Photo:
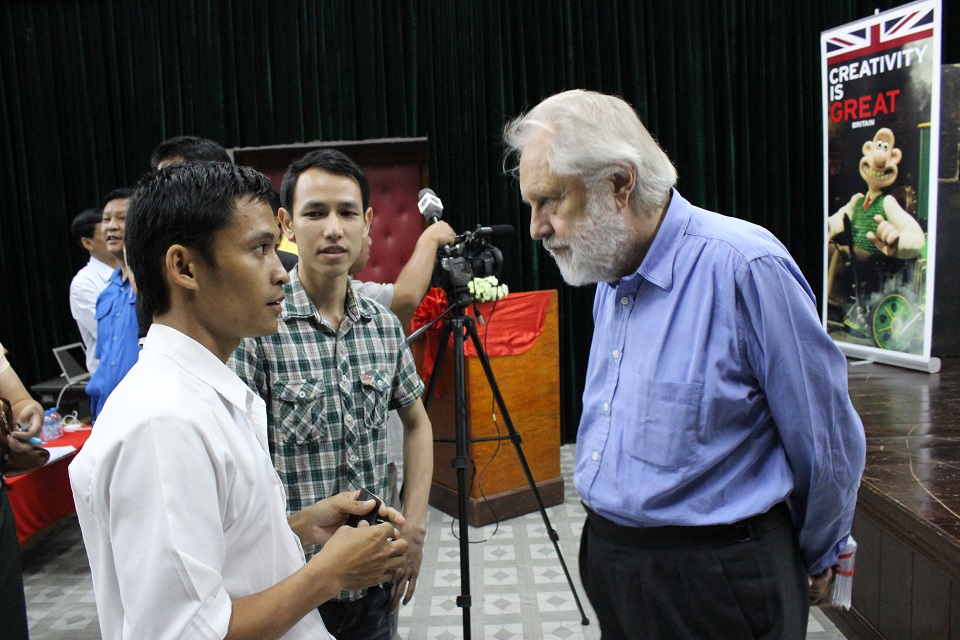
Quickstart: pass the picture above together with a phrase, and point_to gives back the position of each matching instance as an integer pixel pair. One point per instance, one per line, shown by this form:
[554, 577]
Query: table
[43, 496]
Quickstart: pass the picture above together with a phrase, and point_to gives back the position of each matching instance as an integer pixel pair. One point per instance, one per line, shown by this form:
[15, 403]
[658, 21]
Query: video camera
[470, 256]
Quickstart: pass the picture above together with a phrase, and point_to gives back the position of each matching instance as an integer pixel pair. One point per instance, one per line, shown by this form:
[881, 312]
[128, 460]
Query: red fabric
[511, 325]
[43, 496]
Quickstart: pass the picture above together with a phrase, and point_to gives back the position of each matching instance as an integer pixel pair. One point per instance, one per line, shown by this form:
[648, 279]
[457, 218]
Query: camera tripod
[458, 323]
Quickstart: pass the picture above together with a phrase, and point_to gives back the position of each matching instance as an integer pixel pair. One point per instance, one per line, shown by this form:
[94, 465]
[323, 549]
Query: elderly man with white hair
[718, 453]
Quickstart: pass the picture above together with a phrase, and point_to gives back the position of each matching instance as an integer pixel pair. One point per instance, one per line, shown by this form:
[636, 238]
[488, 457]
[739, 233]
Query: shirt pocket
[376, 398]
[666, 432]
[300, 410]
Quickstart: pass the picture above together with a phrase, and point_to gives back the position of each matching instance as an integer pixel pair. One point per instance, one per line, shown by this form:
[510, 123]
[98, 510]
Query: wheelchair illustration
[887, 297]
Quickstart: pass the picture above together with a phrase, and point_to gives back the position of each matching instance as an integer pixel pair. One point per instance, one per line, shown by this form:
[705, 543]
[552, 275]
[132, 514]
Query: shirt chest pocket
[665, 433]
[376, 398]
[300, 410]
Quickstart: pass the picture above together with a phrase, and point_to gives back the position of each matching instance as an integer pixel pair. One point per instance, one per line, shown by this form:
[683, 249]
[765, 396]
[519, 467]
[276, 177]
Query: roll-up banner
[881, 104]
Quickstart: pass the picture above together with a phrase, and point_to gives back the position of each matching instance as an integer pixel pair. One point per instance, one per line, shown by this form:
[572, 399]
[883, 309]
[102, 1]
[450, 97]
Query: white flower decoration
[487, 289]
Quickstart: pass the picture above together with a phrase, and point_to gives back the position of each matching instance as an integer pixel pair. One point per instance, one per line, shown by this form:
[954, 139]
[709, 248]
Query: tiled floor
[518, 586]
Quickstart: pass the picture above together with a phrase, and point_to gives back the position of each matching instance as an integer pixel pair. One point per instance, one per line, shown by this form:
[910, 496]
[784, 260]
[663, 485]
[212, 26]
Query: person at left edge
[28, 413]
[117, 346]
[181, 511]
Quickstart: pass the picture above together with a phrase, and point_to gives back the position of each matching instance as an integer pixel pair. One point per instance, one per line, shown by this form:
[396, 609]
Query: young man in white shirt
[182, 514]
[91, 279]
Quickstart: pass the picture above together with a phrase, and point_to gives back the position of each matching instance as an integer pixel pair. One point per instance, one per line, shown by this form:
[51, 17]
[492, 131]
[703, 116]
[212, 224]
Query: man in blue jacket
[117, 345]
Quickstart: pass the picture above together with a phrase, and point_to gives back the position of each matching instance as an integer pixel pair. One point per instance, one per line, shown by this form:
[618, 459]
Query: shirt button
[606, 407]
[624, 300]
[616, 354]
[303, 394]
[595, 456]
[353, 457]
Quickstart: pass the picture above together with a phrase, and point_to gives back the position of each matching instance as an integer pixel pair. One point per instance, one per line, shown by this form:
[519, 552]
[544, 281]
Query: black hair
[329, 160]
[185, 203]
[274, 201]
[84, 225]
[122, 193]
[188, 148]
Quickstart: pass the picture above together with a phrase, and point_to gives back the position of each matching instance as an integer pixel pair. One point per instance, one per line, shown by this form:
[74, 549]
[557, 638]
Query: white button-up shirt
[179, 504]
[84, 289]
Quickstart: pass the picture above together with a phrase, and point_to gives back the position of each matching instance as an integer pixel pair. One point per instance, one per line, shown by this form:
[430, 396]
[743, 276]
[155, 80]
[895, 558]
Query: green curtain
[731, 89]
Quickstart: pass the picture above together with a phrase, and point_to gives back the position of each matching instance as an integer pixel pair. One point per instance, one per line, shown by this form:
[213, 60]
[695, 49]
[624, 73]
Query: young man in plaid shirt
[331, 372]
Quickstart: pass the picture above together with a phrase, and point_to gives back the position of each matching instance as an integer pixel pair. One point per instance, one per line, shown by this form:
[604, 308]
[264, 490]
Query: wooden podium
[529, 382]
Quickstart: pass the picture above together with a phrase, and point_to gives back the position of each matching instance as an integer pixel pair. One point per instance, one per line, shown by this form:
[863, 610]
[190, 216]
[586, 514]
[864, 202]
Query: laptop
[72, 359]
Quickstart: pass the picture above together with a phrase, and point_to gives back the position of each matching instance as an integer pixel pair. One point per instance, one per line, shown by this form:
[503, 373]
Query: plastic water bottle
[52, 426]
[48, 430]
[843, 584]
[58, 421]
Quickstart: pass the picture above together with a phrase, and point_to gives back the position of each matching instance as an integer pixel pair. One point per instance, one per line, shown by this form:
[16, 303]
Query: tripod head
[458, 299]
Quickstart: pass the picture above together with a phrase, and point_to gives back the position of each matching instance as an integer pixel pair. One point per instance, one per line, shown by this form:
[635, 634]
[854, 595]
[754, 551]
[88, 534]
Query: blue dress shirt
[713, 392]
[117, 344]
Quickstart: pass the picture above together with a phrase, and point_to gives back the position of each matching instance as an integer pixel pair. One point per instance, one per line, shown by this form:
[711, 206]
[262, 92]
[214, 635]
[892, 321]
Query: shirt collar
[117, 277]
[657, 265]
[200, 362]
[298, 304]
[357, 305]
[102, 269]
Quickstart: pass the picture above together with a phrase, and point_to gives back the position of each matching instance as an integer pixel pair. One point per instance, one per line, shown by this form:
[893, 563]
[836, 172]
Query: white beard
[598, 244]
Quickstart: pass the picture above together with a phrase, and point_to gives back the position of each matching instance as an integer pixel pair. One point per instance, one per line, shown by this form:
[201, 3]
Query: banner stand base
[860, 356]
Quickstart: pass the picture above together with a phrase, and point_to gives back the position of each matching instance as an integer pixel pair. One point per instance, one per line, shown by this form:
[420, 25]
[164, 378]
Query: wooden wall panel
[930, 601]
[896, 578]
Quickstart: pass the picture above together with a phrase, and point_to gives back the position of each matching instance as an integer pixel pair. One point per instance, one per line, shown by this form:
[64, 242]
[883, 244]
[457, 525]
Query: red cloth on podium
[511, 325]
[43, 496]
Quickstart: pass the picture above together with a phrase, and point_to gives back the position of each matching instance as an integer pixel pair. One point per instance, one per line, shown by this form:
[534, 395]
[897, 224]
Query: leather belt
[752, 528]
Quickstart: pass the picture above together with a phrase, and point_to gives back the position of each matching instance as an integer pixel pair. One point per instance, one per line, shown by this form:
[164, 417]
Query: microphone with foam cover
[430, 205]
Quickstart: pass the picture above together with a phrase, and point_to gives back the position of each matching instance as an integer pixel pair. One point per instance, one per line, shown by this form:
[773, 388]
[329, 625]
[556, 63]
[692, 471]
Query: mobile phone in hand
[372, 518]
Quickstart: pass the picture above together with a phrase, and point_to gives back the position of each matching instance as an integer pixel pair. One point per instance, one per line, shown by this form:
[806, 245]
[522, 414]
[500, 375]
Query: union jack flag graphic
[889, 30]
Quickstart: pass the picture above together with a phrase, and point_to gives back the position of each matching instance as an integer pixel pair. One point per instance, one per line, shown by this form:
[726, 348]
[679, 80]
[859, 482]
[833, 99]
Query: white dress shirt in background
[84, 289]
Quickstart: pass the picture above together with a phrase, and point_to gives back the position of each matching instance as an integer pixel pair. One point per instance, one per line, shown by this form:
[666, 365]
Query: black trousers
[13, 606]
[365, 619]
[734, 581]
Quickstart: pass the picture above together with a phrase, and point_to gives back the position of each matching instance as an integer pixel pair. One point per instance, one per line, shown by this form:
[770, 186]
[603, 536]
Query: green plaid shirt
[328, 392]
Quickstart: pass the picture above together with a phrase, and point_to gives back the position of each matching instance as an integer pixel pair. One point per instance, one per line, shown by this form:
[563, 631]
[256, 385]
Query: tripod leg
[515, 439]
[437, 365]
[461, 457]
[460, 464]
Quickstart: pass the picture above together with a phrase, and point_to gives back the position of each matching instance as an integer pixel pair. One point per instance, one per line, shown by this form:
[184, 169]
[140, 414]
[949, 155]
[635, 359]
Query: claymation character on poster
[881, 78]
